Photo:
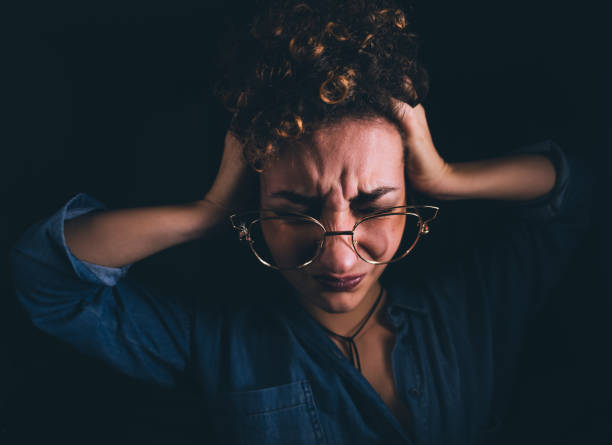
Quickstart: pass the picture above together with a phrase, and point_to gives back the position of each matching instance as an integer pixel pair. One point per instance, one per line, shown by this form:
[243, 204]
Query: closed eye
[364, 203]
[367, 203]
[367, 199]
[369, 210]
[296, 198]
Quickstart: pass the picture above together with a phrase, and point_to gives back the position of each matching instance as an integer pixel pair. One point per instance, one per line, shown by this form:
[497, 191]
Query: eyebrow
[361, 198]
[295, 198]
[371, 196]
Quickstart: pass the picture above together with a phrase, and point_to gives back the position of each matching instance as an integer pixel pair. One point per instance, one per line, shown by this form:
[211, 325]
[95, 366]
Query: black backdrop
[111, 98]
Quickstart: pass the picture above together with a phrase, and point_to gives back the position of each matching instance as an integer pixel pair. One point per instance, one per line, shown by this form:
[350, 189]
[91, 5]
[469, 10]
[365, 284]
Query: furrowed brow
[366, 197]
[295, 198]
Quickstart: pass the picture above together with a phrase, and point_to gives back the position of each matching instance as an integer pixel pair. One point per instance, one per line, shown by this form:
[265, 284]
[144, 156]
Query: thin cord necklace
[350, 340]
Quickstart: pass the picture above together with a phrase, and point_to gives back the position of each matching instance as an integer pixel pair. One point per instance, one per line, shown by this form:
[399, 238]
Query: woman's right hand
[235, 182]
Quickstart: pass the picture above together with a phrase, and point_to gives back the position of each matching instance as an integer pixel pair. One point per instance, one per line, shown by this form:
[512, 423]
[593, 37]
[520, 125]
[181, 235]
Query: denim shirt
[272, 375]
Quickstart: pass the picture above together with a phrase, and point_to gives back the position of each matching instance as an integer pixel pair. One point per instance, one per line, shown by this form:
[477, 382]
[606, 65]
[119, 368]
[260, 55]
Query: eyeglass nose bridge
[327, 233]
[342, 232]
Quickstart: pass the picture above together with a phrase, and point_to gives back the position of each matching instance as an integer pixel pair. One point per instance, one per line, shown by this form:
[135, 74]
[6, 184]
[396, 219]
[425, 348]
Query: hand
[426, 171]
[234, 183]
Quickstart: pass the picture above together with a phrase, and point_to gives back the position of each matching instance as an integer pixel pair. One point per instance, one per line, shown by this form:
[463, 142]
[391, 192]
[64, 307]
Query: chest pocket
[283, 414]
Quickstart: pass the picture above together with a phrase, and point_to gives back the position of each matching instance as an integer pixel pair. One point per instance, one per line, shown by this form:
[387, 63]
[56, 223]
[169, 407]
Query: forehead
[353, 154]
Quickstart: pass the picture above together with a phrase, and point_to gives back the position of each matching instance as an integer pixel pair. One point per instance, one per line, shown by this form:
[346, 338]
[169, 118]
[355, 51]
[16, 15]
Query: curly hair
[307, 64]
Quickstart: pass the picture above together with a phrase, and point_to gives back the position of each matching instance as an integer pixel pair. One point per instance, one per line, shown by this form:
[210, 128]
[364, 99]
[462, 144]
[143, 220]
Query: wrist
[521, 177]
[438, 185]
[206, 214]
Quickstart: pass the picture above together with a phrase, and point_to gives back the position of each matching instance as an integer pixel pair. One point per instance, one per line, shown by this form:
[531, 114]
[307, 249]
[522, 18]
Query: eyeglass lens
[288, 242]
[386, 238]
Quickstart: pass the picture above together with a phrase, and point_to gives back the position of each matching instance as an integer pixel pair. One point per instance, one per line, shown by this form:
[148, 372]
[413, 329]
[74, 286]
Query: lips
[339, 283]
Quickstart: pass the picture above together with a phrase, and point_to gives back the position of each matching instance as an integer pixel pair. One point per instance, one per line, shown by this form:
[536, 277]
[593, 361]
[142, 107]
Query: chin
[333, 302]
[338, 302]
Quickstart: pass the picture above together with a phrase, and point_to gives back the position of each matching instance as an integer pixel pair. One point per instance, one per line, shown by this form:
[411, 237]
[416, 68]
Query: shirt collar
[399, 295]
[409, 298]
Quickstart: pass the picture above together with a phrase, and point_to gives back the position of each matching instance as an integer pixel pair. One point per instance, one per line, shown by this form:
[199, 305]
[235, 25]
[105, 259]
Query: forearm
[115, 238]
[519, 177]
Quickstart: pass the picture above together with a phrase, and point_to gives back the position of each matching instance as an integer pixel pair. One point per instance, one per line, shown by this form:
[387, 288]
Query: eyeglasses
[291, 240]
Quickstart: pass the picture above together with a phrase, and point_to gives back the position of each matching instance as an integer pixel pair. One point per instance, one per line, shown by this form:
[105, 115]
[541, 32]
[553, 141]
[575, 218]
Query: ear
[410, 195]
[255, 193]
[410, 191]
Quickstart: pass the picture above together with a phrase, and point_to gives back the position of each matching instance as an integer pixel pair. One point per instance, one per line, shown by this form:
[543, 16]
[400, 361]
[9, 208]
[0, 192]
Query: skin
[341, 162]
[355, 156]
[351, 157]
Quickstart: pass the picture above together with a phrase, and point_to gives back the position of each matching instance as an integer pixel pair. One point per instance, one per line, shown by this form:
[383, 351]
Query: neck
[347, 323]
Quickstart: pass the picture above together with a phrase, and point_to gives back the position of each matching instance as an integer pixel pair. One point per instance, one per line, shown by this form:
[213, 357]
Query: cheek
[287, 243]
[299, 279]
[381, 239]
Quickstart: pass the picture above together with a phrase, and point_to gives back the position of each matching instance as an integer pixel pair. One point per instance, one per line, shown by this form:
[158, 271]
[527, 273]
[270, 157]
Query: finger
[403, 111]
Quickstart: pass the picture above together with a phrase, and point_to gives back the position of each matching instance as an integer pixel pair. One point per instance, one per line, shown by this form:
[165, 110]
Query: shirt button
[414, 392]
[394, 314]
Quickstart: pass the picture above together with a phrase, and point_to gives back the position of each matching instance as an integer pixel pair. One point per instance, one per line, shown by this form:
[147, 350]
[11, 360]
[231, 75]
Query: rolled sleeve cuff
[550, 205]
[93, 273]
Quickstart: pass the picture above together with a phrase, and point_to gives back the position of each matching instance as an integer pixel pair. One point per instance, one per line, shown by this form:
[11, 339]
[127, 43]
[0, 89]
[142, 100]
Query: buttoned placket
[310, 332]
[406, 371]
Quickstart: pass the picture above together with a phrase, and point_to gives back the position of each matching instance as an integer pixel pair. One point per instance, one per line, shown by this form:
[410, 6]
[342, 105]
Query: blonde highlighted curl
[305, 64]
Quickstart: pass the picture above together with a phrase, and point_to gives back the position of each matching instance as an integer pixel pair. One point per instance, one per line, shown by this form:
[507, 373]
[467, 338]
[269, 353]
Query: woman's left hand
[426, 171]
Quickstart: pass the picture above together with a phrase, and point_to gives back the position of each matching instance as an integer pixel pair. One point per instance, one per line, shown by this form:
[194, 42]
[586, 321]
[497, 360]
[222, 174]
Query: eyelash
[315, 213]
[368, 210]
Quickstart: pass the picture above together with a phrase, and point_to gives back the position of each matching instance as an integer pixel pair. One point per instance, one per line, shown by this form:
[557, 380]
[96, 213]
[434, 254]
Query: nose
[338, 256]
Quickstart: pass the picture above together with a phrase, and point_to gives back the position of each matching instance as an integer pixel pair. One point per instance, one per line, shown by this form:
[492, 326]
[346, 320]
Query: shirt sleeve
[550, 206]
[526, 252]
[486, 295]
[98, 309]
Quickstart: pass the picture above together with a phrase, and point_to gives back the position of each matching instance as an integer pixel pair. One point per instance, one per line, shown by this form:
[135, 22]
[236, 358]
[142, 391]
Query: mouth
[339, 283]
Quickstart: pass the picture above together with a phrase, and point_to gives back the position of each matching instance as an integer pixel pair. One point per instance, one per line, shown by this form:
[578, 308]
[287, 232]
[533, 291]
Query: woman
[328, 128]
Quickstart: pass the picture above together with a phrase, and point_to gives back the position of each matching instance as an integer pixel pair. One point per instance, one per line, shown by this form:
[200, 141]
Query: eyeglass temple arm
[425, 223]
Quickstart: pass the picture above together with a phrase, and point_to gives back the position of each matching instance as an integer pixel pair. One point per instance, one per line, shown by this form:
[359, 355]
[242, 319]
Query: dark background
[111, 98]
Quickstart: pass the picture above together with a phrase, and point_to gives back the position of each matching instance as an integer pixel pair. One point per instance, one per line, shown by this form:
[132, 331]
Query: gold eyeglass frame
[244, 230]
